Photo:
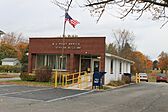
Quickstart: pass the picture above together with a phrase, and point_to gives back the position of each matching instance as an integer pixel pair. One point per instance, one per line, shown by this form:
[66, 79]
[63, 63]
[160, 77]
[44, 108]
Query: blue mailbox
[98, 78]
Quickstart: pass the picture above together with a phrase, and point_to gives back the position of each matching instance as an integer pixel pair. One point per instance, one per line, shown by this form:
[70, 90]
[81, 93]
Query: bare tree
[13, 38]
[157, 8]
[123, 38]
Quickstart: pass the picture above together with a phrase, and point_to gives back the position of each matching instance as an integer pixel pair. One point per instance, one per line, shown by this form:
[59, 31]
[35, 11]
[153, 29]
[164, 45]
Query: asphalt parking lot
[39, 93]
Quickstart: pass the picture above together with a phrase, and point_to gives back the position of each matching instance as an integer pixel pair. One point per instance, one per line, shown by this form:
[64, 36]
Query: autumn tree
[142, 62]
[163, 61]
[7, 50]
[17, 41]
[149, 64]
[13, 38]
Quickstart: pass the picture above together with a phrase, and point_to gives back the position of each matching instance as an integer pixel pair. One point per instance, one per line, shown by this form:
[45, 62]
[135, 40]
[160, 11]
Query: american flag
[71, 21]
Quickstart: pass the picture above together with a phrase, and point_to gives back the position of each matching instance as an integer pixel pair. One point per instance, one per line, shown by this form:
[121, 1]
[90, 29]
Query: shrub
[116, 83]
[27, 77]
[43, 74]
[126, 79]
[24, 67]
[8, 68]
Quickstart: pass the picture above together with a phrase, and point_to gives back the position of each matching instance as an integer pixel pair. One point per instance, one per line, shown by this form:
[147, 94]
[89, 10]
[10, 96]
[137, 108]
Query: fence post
[55, 76]
[139, 78]
[136, 78]
[63, 80]
[79, 80]
[66, 77]
[73, 76]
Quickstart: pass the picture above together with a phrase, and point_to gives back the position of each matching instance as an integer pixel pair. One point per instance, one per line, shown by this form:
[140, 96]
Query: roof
[67, 37]
[118, 57]
[9, 59]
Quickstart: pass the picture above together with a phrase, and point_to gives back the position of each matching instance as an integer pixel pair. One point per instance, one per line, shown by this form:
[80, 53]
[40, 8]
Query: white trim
[118, 57]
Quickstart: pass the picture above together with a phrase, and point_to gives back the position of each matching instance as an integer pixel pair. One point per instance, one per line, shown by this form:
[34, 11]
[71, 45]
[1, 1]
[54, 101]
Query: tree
[157, 8]
[149, 64]
[17, 41]
[126, 52]
[124, 42]
[13, 38]
[123, 38]
[7, 51]
[21, 49]
[155, 65]
[142, 62]
[163, 61]
[24, 59]
[111, 48]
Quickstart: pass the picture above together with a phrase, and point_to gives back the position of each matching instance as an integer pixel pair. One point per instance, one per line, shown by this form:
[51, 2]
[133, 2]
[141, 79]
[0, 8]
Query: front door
[96, 66]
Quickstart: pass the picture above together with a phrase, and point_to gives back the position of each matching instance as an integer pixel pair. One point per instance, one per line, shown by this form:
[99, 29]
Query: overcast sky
[42, 18]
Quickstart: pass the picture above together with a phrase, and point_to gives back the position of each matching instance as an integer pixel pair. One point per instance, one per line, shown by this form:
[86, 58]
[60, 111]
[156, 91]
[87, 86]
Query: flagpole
[66, 11]
[63, 41]
[63, 37]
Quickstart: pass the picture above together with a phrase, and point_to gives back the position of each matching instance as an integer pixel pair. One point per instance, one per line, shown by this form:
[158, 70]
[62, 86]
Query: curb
[113, 88]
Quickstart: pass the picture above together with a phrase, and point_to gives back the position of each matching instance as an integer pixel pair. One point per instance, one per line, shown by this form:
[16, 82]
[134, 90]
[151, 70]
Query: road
[144, 97]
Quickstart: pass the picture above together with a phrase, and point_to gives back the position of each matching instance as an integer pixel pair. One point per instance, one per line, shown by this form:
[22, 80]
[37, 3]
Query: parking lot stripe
[25, 91]
[23, 98]
[71, 96]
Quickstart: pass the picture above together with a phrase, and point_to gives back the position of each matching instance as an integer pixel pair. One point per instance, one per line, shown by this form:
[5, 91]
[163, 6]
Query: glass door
[96, 66]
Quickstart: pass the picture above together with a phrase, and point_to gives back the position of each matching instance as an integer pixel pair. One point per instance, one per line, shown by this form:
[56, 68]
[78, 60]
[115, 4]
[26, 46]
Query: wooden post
[56, 75]
[136, 78]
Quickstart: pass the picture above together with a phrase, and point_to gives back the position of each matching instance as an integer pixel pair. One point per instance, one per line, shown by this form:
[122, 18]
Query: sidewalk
[6, 79]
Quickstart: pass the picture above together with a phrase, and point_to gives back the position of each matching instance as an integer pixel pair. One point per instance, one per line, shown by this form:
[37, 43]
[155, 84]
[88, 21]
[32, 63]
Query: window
[52, 60]
[111, 67]
[62, 62]
[120, 67]
[40, 61]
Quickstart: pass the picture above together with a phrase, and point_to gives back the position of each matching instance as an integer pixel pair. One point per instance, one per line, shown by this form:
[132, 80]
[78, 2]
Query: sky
[42, 18]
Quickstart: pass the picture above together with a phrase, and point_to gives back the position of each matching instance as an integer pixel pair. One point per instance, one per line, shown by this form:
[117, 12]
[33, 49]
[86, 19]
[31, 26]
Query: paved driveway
[144, 97]
[39, 93]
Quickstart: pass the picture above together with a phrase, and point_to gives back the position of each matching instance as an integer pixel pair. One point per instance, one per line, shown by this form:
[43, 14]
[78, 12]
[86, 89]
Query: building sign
[67, 45]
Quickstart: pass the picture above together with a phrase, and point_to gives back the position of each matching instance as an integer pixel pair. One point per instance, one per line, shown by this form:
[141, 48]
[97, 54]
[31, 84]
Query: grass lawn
[6, 76]
[9, 75]
[28, 83]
